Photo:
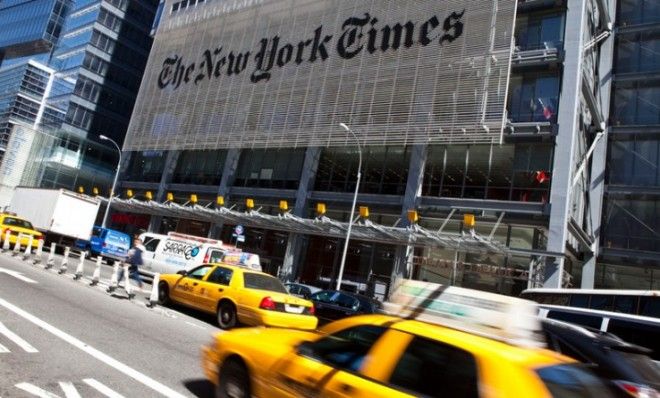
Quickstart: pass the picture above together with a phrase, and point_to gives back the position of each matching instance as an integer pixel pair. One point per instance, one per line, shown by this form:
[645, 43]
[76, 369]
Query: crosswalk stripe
[34, 390]
[3, 349]
[102, 388]
[16, 339]
[69, 389]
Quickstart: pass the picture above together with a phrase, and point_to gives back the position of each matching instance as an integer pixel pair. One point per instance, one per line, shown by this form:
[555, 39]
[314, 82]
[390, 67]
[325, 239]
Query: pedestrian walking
[134, 260]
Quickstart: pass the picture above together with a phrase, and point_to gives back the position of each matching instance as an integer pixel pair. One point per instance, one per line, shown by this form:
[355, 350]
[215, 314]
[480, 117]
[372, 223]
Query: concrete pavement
[66, 338]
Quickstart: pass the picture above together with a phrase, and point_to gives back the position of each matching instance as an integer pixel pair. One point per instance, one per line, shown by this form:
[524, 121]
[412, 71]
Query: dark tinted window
[433, 369]
[151, 244]
[15, 222]
[324, 296]
[626, 304]
[263, 282]
[346, 301]
[570, 381]
[602, 302]
[580, 300]
[637, 333]
[579, 319]
[346, 349]
[221, 276]
[215, 256]
[649, 306]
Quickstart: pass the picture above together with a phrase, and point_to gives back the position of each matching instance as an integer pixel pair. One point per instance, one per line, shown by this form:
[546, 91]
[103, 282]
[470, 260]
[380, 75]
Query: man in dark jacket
[134, 260]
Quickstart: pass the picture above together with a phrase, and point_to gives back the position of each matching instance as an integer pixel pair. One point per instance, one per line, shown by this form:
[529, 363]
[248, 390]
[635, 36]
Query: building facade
[98, 50]
[630, 215]
[453, 110]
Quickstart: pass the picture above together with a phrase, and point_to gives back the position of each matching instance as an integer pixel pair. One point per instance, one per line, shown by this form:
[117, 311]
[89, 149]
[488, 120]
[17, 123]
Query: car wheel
[163, 293]
[226, 315]
[234, 381]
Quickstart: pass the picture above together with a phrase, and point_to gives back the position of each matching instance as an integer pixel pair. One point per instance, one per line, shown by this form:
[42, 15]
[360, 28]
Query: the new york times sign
[358, 34]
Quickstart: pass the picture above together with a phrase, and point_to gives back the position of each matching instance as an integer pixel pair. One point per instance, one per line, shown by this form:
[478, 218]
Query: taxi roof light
[509, 319]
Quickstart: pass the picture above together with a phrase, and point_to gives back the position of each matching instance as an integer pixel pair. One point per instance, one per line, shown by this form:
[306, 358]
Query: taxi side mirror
[182, 272]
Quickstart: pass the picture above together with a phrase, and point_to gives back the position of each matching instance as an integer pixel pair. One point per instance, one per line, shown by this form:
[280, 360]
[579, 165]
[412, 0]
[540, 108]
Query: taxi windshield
[263, 282]
[17, 222]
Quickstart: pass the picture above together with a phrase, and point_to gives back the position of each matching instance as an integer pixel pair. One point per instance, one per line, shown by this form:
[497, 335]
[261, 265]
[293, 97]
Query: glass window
[150, 245]
[15, 222]
[199, 272]
[433, 369]
[146, 166]
[640, 333]
[601, 302]
[324, 296]
[346, 349]
[568, 381]
[539, 30]
[580, 300]
[534, 97]
[345, 301]
[649, 306]
[270, 168]
[592, 321]
[221, 275]
[625, 304]
[263, 282]
[633, 12]
[200, 167]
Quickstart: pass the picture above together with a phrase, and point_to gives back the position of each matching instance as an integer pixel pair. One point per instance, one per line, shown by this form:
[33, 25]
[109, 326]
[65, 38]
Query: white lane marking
[34, 390]
[3, 349]
[16, 339]
[197, 326]
[69, 389]
[17, 275]
[102, 388]
[125, 369]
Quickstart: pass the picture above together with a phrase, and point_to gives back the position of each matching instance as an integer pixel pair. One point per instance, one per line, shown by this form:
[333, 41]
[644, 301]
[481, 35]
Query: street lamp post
[350, 218]
[114, 182]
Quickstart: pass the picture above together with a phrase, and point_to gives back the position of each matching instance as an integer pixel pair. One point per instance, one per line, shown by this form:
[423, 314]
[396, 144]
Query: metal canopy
[321, 226]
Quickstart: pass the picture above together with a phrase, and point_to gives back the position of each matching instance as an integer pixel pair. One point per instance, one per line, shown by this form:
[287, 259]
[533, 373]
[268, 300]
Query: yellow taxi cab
[18, 226]
[237, 294]
[390, 356]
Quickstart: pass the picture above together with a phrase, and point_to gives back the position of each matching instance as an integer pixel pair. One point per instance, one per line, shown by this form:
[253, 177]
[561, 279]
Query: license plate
[296, 309]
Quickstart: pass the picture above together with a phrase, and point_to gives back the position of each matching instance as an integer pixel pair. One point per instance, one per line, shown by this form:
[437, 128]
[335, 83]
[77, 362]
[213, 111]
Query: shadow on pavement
[200, 388]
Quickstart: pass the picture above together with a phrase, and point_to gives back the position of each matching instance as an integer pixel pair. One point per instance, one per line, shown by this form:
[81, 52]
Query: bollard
[153, 298]
[6, 244]
[38, 254]
[113, 279]
[51, 256]
[80, 268]
[127, 283]
[28, 249]
[17, 246]
[97, 271]
[65, 261]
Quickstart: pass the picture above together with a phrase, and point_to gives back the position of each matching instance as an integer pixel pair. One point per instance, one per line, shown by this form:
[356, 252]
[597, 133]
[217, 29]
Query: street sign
[240, 238]
[238, 230]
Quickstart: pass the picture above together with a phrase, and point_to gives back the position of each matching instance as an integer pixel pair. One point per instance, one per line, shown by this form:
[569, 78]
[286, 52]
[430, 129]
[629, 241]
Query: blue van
[106, 242]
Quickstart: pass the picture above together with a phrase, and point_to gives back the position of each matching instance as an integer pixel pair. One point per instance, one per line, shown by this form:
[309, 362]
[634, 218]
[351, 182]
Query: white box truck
[62, 215]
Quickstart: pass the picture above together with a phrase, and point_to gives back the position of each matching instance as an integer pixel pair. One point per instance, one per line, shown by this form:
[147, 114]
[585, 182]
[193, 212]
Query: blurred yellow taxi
[18, 226]
[390, 356]
[237, 294]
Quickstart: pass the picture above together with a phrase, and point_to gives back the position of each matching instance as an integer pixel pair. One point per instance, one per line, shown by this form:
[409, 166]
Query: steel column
[564, 154]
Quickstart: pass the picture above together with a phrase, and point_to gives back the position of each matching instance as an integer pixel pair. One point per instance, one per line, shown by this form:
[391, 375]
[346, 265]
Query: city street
[64, 338]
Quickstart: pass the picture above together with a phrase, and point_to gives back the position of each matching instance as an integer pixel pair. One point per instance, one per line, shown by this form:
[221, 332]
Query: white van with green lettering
[171, 253]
